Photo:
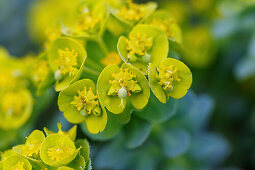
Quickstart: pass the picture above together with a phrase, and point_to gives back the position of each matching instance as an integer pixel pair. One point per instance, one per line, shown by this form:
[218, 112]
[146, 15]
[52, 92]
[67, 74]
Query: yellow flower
[87, 21]
[67, 60]
[60, 152]
[51, 36]
[111, 58]
[166, 75]
[124, 82]
[12, 103]
[85, 99]
[133, 12]
[41, 70]
[138, 44]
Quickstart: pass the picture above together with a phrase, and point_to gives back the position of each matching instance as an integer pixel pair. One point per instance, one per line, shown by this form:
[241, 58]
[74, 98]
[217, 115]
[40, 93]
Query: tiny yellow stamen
[111, 58]
[167, 75]
[85, 99]
[18, 166]
[12, 103]
[138, 44]
[41, 70]
[60, 152]
[67, 60]
[132, 12]
[124, 79]
[31, 149]
[87, 21]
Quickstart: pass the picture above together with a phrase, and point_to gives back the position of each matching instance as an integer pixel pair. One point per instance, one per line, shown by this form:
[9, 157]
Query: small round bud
[146, 58]
[83, 112]
[122, 93]
[57, 75]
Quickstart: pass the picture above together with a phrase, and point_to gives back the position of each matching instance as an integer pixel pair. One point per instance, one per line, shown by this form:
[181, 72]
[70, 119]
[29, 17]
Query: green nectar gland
[87, 102]
[166, 76]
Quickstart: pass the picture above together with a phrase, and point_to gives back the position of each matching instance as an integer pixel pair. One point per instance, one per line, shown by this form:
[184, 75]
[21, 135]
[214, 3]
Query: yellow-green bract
[113, 101]
[172, 78]
[16, 162]
[66, 58]
[58, 150]
[145, 44]
[95, 118]
[162, 20]
[32, 146]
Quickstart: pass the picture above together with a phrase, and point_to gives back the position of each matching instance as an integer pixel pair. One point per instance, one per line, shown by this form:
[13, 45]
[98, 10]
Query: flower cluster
[58, 151]
[105, 57]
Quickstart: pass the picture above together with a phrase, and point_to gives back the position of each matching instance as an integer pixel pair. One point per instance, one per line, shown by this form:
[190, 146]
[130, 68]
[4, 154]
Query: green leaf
[158, 112]
[136, 132]
[174, 142]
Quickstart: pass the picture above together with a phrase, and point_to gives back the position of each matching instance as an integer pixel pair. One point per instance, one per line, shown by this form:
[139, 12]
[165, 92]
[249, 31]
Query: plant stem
[91, 71]
[102, 45]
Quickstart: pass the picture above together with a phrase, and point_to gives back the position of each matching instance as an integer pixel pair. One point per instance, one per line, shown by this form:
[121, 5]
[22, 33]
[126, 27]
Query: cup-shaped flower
[132, 13]
[80, 103]
[117, 85]
[32, 146]
[172, 78]
[88, 21]
[16, 162]
[15, 108]
[42, 76]
[58, 150]
[66, 58]
[162, 20]
[145, 44]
